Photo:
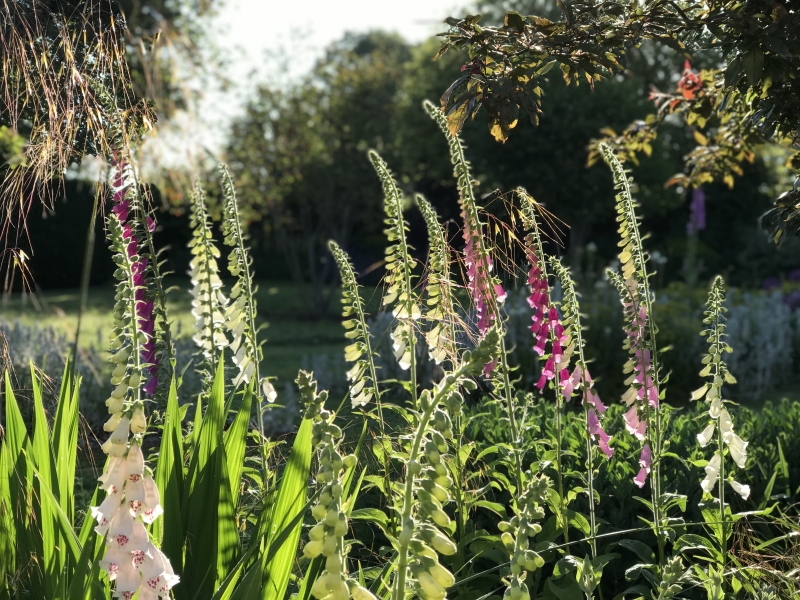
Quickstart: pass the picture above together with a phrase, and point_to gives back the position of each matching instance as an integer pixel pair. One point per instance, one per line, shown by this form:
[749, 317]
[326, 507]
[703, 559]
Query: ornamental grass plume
[132, 561]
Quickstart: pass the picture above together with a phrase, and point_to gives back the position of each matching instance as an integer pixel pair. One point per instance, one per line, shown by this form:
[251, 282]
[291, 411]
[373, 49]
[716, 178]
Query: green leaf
[641, 550]
[64, 441]
[690, 541]
[753, 63]
[566, 589]
[371, 515]
[169, 480]
[211, 536]
[44, 465]
[291, 501]
[236, 441]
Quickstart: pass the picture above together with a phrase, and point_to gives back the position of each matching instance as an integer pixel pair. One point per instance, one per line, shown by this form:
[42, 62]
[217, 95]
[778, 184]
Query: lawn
[291, 336]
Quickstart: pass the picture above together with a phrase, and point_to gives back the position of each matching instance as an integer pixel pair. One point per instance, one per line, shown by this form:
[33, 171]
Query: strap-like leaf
[291, 502]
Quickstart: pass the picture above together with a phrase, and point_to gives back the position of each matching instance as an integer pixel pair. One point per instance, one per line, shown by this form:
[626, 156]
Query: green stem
[559, 477]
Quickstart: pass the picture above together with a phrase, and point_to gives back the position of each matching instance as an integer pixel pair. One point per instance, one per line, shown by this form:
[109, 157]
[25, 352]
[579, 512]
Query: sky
[259, 32]
[256, 37]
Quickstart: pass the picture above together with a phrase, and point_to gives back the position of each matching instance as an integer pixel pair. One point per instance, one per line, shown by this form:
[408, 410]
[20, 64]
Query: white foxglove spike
[712, 474]
[741, 489]
[705, 436]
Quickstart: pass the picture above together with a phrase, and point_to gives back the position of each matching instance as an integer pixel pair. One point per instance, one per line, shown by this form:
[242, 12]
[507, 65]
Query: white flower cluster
[132, 501]
[241, 312]
[438, 287]
[361, 376]
[326, 538]
[208, 301]
[399, 265]
[516, 532]
[717, 370]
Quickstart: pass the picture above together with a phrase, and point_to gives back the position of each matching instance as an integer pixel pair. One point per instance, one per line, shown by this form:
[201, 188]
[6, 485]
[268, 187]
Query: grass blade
[236, 441]
[211, 536]
[289, 506]
[169, 480]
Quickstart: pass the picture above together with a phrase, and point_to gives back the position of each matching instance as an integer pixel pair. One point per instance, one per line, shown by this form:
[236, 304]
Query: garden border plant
[226, 507]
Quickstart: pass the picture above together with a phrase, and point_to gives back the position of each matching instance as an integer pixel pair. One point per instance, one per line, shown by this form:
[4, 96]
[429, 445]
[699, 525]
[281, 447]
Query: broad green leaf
[641, 549]
[291, 501]
[371, 515]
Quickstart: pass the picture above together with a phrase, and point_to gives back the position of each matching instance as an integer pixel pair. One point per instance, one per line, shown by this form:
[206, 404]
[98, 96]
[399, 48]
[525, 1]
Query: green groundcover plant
[466, 483]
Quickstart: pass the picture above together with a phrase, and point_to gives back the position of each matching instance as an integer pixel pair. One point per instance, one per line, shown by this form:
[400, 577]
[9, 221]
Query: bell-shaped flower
[113, 478]
[116, 560]
[120, 530]
[726, 425]
[712, 473]
[742, 489]
[152, 501]
[128, 580]
[117, 442]
[645, 461]
[157, 573]
[635, 426]
[104, 513]
[596, 430]
[738, 450]
[705, 436]
[138, 420]
[134, 462]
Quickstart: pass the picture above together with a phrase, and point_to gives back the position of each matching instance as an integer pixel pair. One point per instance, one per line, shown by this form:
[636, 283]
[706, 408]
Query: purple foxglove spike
[640, 478]
[150, 387]
[132, 248]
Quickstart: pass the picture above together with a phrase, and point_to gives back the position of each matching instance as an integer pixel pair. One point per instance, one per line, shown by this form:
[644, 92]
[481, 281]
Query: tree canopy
[748, 98]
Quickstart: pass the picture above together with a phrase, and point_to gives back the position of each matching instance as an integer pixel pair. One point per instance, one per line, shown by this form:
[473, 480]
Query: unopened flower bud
[443, 545]
[138, 420]
[331, 517]
[317, 532]
[508, 540]
[350, 461]
[333, 564]
[440, 517]
[361, 593]
[336, 490]
[414, 468]
[112, 422]
[442, 576]
[319, 511]
[312, 549]
[430, 586]
[329, 545]
[340, 528]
